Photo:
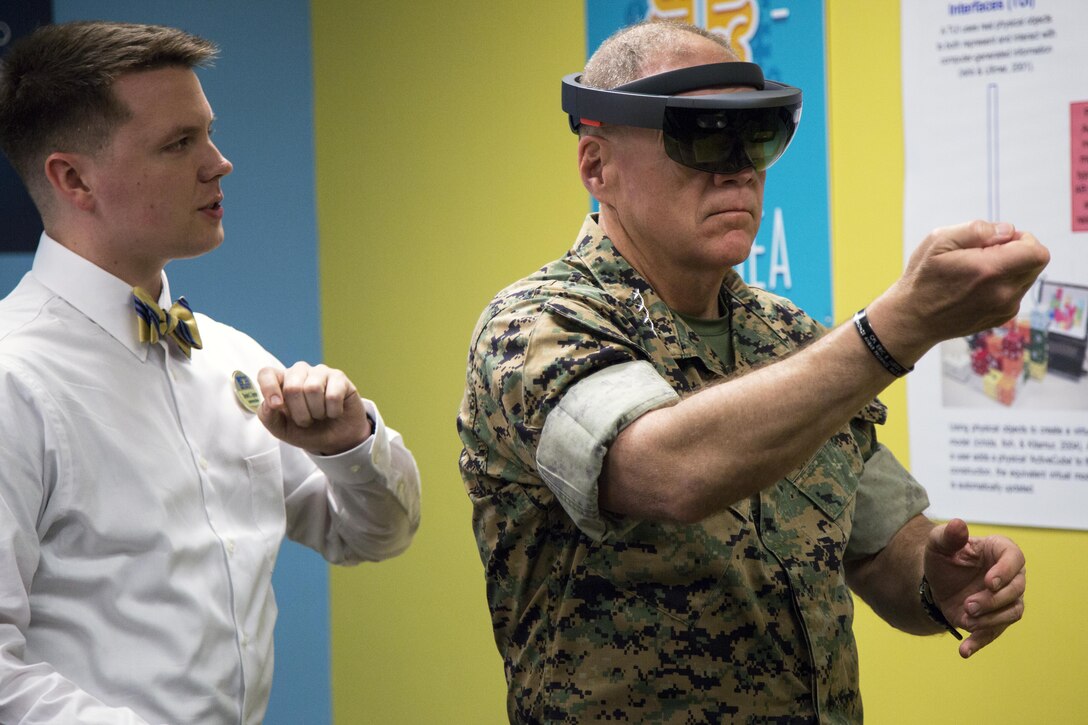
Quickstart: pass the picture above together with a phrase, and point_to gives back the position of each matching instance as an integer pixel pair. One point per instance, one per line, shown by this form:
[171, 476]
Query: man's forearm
[888, 580]
[727, 442]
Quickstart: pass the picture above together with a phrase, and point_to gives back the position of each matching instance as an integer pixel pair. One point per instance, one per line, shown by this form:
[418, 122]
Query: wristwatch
[932, 610]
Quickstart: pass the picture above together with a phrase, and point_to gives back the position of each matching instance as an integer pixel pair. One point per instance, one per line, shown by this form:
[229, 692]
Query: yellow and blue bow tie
[156, 323]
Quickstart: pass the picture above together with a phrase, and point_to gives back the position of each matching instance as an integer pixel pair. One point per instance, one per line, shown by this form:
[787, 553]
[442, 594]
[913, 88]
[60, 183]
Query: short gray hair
[623, 57]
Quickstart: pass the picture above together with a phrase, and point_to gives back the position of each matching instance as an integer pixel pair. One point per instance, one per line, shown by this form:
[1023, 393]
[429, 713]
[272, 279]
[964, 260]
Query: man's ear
[66, 173]
[595, 153]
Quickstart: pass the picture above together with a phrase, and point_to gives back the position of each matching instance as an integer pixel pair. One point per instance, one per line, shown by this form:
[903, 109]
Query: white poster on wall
[995, 117]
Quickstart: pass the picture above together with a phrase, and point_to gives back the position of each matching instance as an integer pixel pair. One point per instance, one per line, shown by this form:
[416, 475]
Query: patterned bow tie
[156, 323]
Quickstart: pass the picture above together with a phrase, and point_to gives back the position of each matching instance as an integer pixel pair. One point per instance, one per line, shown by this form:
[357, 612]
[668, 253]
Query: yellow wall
[445, 171]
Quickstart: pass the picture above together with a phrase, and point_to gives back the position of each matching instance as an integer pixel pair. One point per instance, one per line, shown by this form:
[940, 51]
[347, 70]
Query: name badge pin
[246, 392]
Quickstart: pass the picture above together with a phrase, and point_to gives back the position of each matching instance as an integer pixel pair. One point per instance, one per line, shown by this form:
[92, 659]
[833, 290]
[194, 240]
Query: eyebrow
[189, 129]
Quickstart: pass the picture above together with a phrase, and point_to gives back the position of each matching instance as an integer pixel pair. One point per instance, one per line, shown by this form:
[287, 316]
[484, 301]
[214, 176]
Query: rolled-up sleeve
[579, 430]
[888, 496]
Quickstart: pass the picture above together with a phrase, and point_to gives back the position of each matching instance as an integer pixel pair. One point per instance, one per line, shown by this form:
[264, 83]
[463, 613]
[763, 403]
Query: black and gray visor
[719, 133]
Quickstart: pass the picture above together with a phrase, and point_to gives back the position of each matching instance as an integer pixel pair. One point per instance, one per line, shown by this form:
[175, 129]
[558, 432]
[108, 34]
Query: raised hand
[316, 408]
[977, 582]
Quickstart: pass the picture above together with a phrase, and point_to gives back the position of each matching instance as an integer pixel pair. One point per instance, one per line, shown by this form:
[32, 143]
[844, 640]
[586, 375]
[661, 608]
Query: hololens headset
[720, 133]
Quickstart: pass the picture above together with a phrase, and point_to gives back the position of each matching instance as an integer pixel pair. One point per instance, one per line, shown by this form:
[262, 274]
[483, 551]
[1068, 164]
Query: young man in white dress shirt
[144, 486]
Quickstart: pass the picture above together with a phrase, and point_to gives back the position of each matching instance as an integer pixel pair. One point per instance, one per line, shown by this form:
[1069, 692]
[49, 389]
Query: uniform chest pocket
[829, 479]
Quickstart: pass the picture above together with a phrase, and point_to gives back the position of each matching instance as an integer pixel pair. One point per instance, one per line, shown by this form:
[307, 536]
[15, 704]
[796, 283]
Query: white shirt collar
[106, 300]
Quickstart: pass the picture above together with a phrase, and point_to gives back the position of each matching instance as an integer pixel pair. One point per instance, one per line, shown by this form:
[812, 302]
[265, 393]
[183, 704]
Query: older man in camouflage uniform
[676, 477]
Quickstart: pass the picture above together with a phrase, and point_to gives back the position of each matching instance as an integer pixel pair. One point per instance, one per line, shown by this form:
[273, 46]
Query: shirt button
[355, 468]
[245, 640]
[203, 463]
[230, 547]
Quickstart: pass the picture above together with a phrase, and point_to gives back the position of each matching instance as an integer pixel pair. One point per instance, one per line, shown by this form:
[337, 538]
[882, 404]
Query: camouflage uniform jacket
[743, 617]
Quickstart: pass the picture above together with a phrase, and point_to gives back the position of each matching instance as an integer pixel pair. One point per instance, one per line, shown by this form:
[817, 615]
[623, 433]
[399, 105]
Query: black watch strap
[932, 610]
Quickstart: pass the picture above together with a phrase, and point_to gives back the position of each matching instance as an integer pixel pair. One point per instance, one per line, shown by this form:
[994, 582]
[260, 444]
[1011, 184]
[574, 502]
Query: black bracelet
[932, 610]
[861, 323]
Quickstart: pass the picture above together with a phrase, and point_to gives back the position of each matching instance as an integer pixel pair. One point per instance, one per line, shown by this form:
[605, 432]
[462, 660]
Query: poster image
[995, 107]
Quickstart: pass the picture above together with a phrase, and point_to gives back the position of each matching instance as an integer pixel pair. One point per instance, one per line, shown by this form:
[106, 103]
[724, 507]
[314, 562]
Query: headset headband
[643, 102]
[695, 77]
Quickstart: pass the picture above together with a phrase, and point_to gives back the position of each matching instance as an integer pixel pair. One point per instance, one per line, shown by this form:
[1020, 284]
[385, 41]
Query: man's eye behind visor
[729, 141]
[723, 132]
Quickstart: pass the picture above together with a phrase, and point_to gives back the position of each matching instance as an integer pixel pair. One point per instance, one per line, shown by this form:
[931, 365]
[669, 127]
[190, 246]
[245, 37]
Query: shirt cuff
[579, 430]
[888, 497]
[358, 464]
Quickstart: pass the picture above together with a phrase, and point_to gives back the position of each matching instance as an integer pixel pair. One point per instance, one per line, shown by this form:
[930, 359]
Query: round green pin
[246, 391]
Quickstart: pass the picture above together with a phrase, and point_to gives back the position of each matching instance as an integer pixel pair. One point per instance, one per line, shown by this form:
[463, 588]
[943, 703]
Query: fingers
[1001, 601]
[306, 394]
[1016, 254]
[996, 609]
[947, 539]
[978, 640]
[1021, 260]
[985, 629]
[960, 280]
[1009, 561]
[337, 390]
[977, 233]
[270, 381]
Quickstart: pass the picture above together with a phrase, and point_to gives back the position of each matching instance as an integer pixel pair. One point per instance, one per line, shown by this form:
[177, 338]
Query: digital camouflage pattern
[744, 617]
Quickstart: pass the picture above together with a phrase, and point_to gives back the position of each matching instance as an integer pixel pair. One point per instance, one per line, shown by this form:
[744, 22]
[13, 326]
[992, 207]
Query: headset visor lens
[726, 141]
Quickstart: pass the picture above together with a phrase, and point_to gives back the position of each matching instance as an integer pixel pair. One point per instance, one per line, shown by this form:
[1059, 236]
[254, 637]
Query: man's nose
[737, 177]
[218, 165]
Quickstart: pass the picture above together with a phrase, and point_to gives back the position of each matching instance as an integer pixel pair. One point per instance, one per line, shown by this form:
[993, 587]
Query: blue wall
[264, 278]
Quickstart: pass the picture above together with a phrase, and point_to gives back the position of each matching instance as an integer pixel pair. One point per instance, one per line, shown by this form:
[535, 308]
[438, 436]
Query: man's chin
[207, 245]
[734, 244]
